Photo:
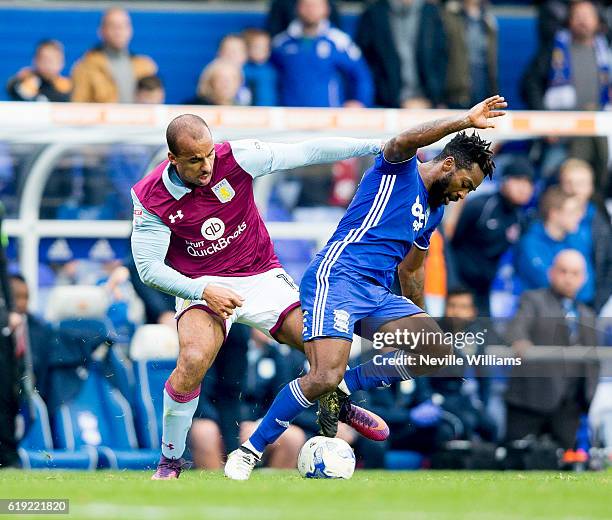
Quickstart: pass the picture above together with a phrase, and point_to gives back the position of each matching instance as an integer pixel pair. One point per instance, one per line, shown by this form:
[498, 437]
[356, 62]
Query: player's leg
[290, 330]
[327, 358]
[403, 361]
[364, 421]
[394, 314]
[200, 336]
[328, 331]
[284, 452]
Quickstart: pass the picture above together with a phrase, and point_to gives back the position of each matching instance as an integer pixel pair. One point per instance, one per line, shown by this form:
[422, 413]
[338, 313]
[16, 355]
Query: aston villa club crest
[223, 191]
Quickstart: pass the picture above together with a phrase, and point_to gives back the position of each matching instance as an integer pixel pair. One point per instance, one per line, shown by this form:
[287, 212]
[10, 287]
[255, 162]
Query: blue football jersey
[387, 216]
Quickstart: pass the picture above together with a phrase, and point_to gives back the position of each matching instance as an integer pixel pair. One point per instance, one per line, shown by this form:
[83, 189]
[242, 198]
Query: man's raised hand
[480, 115]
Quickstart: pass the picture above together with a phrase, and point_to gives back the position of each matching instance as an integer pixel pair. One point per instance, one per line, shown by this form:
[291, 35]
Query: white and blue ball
[322, 457]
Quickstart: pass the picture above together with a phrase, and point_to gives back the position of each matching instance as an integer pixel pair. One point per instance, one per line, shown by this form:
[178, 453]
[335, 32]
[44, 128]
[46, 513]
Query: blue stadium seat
[100, 417]
[119, 372]
[403, 460]
[36, 448]
[150, 379]
[37, 430]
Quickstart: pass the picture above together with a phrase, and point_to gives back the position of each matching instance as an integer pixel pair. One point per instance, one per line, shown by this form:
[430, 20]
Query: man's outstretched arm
[261, 158]
[405, 145]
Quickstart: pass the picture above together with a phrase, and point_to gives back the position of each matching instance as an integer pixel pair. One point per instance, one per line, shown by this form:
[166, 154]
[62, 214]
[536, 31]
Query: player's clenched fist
[221, 300]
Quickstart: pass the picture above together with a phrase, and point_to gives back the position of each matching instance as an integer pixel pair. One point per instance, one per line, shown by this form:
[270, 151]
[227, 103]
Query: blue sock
[289, 403]
[377, 375]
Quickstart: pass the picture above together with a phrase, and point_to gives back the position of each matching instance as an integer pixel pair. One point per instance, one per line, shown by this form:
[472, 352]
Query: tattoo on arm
[405, 145]
[413, 285]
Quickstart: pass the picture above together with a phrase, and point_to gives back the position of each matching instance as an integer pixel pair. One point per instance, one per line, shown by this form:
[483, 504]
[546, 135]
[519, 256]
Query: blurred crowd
[528, 257]
[406, 53]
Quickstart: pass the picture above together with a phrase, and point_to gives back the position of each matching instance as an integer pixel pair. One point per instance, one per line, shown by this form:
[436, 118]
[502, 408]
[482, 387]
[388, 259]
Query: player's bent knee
[192, 365]
[323, 381]
[431, 359]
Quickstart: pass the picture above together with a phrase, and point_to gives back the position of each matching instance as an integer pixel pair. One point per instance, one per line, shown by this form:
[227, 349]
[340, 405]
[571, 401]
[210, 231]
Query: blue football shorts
[334, 303]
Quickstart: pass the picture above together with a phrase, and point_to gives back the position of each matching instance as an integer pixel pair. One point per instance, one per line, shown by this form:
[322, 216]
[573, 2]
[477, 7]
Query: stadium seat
[36, 447]
[76, 302]
[37, 430]
[119, 372]
[154, 349]
[150, 379]
[154, 342]
[100, 417]
[403, 460]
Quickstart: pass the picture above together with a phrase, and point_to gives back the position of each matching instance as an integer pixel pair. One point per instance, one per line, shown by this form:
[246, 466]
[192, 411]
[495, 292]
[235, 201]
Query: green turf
[279, 495]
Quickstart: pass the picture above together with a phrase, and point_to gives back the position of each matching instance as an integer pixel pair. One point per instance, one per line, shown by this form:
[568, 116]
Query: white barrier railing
[141, 120]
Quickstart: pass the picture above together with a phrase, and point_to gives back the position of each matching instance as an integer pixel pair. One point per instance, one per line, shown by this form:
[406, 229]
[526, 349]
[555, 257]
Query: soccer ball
[322, 457]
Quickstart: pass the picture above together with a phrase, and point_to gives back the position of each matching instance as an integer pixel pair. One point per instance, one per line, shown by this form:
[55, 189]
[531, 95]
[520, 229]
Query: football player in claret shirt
[198, 235]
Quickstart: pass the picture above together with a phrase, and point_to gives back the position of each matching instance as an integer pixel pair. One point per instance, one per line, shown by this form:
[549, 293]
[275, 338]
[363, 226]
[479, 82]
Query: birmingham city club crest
[223, 191]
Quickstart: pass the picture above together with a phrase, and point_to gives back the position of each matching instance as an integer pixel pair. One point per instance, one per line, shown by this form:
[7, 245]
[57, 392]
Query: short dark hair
[18, 277]
[189, 123]
[49, 42]
[553, 198]
[149, 83]
[252, 33]
[467, 150]
[459, 290]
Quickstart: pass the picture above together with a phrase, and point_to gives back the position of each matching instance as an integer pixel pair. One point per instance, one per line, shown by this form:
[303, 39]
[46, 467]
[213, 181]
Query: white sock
[247, 444]
[342, 386]
[177, 421]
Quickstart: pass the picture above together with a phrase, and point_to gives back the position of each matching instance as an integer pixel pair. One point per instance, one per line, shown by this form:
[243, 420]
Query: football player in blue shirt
[346, 288]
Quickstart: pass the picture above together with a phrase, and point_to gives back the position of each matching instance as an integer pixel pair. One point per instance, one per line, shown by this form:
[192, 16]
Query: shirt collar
[173, 183]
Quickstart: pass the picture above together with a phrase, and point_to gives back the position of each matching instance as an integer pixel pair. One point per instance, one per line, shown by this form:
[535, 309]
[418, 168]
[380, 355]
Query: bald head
[191, 149]
[568, 273]
[116, 29]
[186, 127]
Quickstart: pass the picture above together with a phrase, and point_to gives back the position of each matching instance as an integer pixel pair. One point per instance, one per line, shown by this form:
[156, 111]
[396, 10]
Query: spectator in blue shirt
[313, 58]
[576, 178]
[259, 74]
[557, 230]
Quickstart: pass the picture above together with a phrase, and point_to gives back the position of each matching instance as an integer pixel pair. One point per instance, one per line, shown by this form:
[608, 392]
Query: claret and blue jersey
[350, 278]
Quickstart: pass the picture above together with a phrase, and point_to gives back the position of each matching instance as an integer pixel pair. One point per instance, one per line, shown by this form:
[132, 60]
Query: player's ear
[172, 158]
[448, 164]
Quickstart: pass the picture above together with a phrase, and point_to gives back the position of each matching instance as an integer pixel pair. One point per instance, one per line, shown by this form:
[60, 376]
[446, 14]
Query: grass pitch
[284, 495]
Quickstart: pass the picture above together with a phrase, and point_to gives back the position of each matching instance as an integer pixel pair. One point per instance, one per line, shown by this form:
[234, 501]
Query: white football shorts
[268, 298]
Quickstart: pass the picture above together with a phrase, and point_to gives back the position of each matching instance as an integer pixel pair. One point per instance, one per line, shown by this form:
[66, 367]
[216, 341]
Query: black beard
[437, 191]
